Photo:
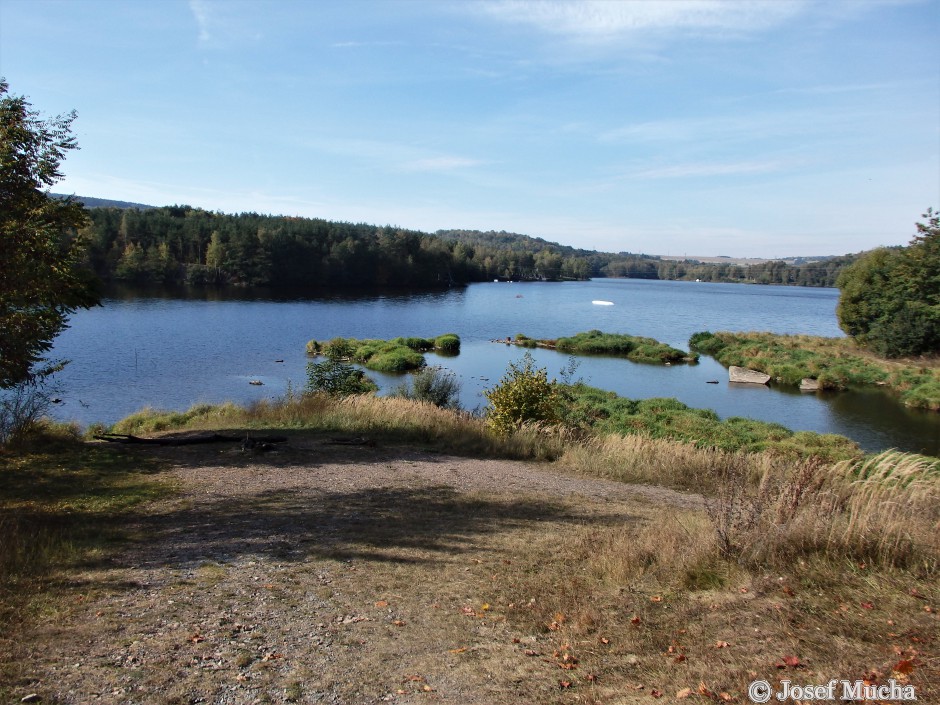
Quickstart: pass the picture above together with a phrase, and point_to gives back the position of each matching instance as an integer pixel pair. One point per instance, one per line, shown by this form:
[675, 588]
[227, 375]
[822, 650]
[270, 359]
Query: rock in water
[746, 376]
[808, 384]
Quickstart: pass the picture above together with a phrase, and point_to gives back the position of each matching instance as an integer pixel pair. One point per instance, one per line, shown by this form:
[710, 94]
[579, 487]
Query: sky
[751, 128]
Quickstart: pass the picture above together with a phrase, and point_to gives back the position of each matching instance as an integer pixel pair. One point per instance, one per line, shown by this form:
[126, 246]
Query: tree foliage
[890, 298]
[523, 394]
[42, 279]
[180, 244]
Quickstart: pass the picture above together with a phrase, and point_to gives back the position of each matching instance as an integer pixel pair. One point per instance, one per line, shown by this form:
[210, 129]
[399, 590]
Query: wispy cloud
[701, 169]
[442, 163]
[591, 19]
[200, 10]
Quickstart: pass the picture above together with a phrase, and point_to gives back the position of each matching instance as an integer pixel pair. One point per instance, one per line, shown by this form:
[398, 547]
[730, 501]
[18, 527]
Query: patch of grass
[595, 342]
[396, 355]
[605, 412]
[836, 363]
[63, 503]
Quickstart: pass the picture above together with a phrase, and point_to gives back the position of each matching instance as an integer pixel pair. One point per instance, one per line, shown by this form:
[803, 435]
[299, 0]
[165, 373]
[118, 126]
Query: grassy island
[595, 342]
[835, 363]
[396, 355]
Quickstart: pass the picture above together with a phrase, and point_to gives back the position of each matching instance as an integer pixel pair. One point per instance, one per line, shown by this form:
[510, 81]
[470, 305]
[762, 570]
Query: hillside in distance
[185, 245]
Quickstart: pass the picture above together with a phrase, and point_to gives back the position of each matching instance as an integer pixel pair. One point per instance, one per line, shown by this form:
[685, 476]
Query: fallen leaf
[591, 677]
[605, 641]
[703, 690]
[382, 603]
[656, 598]
[399, 622]
[414, 678]
[792, 662]
[787, 590]
[722, 644]
[868, 605]
[679, 659]
[427, 689]
[742, 590]
[684, 693]
[919, 595]
[564, 684]
[724, 696]
[656, 693]
[469, 611]
[196, 637]
[904, 666]
[458, 651]
[635, 620]
[531, 652]
[485, 607]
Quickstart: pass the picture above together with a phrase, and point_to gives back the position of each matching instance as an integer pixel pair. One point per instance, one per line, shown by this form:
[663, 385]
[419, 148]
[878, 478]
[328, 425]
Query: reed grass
[836, 363]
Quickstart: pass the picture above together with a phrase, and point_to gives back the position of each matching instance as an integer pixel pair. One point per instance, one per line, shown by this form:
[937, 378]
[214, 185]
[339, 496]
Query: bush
[448, 344]
[335, 377]
[397, 359]
[21, 408]
[524, 394]
[432, 385]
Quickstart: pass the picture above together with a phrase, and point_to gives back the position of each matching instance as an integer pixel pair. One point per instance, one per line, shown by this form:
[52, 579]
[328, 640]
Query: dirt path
[323, 574]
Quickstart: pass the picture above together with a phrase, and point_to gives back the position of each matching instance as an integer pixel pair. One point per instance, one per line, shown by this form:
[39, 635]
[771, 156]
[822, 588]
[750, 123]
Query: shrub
[448, 344]
[524, 394]
[335, 377]
[397, 359]
[21, 408]
[432, 385]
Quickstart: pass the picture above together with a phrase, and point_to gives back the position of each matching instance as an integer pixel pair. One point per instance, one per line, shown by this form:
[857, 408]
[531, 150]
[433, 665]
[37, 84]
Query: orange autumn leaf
[635, 620]
[722, 644]
[724, 696]
[905, 666]
[457, 651]
[656, 598]
[382, 603]
[684, 693]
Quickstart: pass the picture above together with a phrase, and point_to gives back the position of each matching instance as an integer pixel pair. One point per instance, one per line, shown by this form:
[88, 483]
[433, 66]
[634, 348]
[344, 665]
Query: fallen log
[187, 440]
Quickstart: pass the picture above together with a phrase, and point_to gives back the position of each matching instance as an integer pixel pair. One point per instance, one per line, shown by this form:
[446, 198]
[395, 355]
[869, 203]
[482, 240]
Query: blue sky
[765, 128]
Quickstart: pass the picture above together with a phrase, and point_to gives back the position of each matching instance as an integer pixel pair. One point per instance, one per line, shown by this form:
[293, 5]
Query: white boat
[598, 302]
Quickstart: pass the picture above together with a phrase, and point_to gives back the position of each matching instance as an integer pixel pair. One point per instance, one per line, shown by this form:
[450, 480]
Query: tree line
[185, 245]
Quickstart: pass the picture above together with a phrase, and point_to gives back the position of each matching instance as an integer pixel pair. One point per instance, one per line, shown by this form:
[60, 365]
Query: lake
[171, 352]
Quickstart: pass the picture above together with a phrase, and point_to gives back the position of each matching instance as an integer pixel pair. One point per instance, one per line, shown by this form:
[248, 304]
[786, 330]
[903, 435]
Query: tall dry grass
[392, 419]
[883, 510]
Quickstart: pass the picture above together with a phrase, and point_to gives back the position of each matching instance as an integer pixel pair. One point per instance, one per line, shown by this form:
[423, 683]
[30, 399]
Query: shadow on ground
[387, 524]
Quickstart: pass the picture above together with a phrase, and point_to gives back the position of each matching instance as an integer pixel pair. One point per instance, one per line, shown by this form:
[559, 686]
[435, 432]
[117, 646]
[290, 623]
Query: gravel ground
[320, 574]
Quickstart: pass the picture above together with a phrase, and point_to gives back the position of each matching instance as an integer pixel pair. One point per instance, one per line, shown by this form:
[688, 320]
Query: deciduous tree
[42, 279]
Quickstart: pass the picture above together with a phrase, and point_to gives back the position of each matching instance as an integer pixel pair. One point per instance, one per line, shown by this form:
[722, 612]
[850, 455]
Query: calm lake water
[172, 352]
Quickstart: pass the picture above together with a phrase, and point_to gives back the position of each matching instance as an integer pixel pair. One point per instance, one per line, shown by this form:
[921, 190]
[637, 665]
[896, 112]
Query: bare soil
[327, 574]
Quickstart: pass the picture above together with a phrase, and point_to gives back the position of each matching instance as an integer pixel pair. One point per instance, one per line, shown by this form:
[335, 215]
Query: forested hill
[180, 244]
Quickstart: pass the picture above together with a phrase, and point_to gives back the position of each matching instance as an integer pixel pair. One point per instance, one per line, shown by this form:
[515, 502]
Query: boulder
[808, 384]
[746, 376]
